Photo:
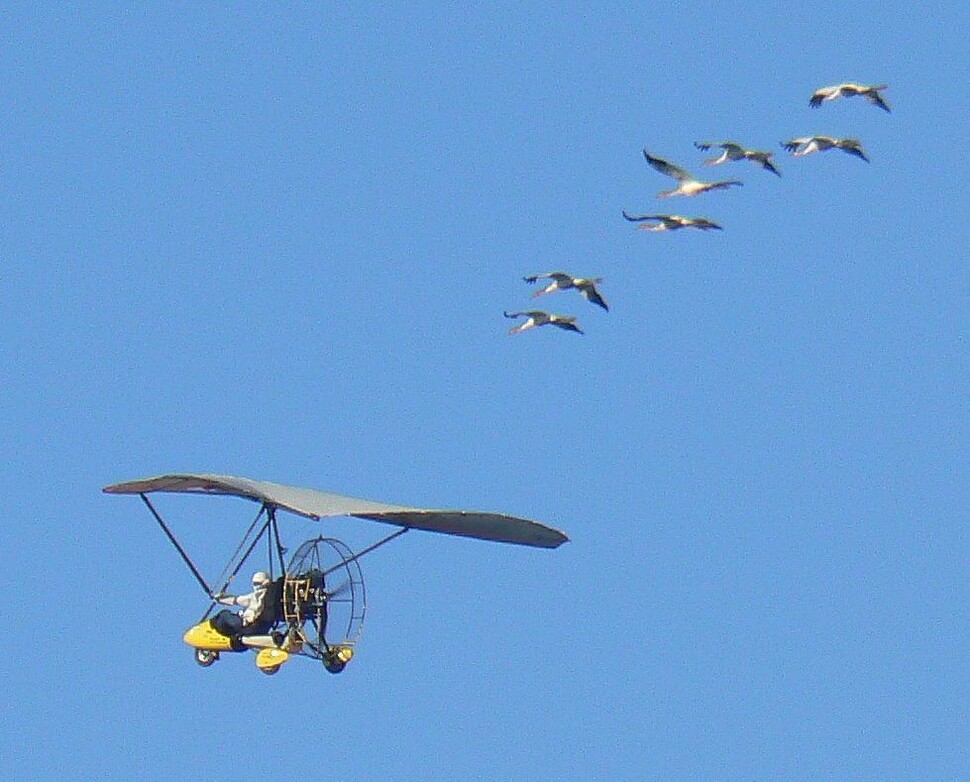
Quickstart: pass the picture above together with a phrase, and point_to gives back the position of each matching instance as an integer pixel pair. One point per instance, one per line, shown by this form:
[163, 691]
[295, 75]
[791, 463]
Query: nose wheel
[205, 658]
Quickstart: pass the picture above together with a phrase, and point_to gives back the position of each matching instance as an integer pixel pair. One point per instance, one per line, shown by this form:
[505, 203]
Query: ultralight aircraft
[314, 605]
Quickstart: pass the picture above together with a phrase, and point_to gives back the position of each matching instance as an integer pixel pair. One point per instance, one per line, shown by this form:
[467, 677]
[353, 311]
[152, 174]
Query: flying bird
[671, 222]
[689, 185]
[847, 90]
[539, 318]
[806, 146]
[561, 281]
[734, 151]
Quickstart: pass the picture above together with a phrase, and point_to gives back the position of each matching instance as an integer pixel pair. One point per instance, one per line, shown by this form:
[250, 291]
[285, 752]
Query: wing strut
[367, 550]
[270, 521]
[178, 547]
[225, 577]
[269, 524]
[280, 548]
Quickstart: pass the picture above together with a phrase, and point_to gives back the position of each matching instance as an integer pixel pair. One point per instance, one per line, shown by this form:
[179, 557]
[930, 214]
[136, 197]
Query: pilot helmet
[260, 579]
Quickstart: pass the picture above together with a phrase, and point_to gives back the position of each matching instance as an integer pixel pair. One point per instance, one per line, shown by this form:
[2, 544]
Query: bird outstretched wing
[667, 168]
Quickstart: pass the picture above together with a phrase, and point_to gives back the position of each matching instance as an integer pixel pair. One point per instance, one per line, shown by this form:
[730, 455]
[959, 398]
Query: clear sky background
[277, 242]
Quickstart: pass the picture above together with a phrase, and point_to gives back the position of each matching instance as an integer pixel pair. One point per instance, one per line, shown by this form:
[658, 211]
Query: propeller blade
[340, 590]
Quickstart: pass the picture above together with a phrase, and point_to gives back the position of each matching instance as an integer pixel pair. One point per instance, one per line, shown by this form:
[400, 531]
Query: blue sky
[277, 243]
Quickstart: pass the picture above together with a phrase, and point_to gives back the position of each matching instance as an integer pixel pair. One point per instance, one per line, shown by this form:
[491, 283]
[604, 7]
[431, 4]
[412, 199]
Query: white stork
[734, 151]
[847, 90]
[809, 144]
[671, 222]
[561, 281]
[539, 318]
[689, 185]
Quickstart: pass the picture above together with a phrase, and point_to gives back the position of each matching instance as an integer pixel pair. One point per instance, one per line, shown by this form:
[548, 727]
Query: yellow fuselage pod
[205, 636]
[271, 659]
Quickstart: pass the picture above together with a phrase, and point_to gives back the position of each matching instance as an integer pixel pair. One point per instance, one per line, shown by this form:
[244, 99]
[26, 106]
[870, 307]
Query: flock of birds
[689, 185]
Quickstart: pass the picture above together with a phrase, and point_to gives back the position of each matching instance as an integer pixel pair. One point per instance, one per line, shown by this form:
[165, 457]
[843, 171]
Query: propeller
[343, 589]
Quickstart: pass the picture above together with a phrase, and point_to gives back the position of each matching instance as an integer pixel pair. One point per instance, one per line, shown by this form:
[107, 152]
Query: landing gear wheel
[335, 659]
[270, 671]
[205, 658]
[324, 599]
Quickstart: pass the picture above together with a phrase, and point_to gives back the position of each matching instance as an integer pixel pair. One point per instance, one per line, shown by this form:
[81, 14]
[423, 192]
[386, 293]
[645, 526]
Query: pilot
[255, 617]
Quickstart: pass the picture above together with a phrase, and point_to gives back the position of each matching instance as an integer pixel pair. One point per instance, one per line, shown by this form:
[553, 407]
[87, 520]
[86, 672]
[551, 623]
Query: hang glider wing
[317, 505]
